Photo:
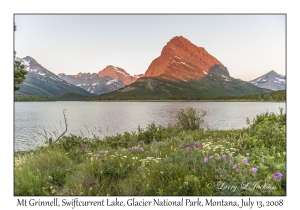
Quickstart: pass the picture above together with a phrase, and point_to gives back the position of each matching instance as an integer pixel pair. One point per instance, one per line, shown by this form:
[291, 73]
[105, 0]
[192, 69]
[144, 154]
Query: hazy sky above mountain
[248, 45]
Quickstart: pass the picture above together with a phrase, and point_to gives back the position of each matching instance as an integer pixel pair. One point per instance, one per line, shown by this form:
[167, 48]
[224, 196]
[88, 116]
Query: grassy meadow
[182, 159]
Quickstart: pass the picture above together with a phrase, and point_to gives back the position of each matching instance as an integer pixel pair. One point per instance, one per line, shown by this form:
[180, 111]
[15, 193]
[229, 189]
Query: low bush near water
[189, 119]
[174, 160]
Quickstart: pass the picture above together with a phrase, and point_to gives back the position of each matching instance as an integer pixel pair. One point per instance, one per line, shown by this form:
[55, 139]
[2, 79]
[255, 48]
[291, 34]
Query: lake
[34, 122]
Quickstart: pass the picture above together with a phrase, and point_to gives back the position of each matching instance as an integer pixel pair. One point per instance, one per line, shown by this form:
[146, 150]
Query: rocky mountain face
[93, 83]
[118, 73]
[40, 81]
[184, 71]
[109, 79]
[182, 60]
[271, 80]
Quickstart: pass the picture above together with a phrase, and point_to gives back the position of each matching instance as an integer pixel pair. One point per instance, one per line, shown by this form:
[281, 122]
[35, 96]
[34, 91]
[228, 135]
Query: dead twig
[50, 140]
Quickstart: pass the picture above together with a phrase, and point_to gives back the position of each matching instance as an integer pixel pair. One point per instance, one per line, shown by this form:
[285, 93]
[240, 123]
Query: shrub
[153, 132]
[190, 119]
[267, 130]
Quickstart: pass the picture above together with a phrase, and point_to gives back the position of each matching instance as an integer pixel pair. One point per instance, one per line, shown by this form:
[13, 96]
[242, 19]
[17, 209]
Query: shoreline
[165, 101]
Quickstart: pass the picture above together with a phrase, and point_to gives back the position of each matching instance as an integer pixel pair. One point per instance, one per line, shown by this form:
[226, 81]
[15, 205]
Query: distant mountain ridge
[42, 82]
[109, 79]
[271, 80]
[184, 71]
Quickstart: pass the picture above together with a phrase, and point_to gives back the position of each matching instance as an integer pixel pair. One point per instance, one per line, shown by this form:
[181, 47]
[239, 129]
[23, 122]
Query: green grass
[161, 161]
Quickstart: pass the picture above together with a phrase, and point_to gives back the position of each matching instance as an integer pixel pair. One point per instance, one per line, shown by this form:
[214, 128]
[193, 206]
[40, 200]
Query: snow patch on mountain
[111, 81]
[186, 65]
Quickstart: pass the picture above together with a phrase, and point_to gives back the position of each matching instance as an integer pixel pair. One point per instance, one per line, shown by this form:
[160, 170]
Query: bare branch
[63, 132]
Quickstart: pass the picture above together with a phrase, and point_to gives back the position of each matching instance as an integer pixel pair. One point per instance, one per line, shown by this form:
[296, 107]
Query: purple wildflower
[245, 160]
[234, 166]
[82, 144]
[254, 169]
[277, 175]
[211, 157]
[138, 149]
[205, 160]
[188, 148]
[101, 152]
[224, 156]
[197, 144]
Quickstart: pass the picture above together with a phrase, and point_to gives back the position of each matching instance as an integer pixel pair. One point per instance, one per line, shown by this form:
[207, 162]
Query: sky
[248, 45]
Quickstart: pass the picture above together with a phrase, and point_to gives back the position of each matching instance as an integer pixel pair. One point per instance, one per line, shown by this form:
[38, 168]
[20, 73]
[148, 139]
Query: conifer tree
[19, 72]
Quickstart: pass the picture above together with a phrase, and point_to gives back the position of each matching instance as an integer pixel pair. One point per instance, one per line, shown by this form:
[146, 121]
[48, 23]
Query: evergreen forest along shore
[274, 96]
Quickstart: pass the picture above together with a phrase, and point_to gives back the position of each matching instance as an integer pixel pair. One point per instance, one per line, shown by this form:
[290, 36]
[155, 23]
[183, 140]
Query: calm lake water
[36, 121]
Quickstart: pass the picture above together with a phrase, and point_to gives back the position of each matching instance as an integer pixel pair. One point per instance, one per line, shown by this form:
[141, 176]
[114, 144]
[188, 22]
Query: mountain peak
[271, 80]
[183, 60]
[79, 74]
[179, 39]
[272, 72]
[28, 58]
[40, 81]
[117, 73]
